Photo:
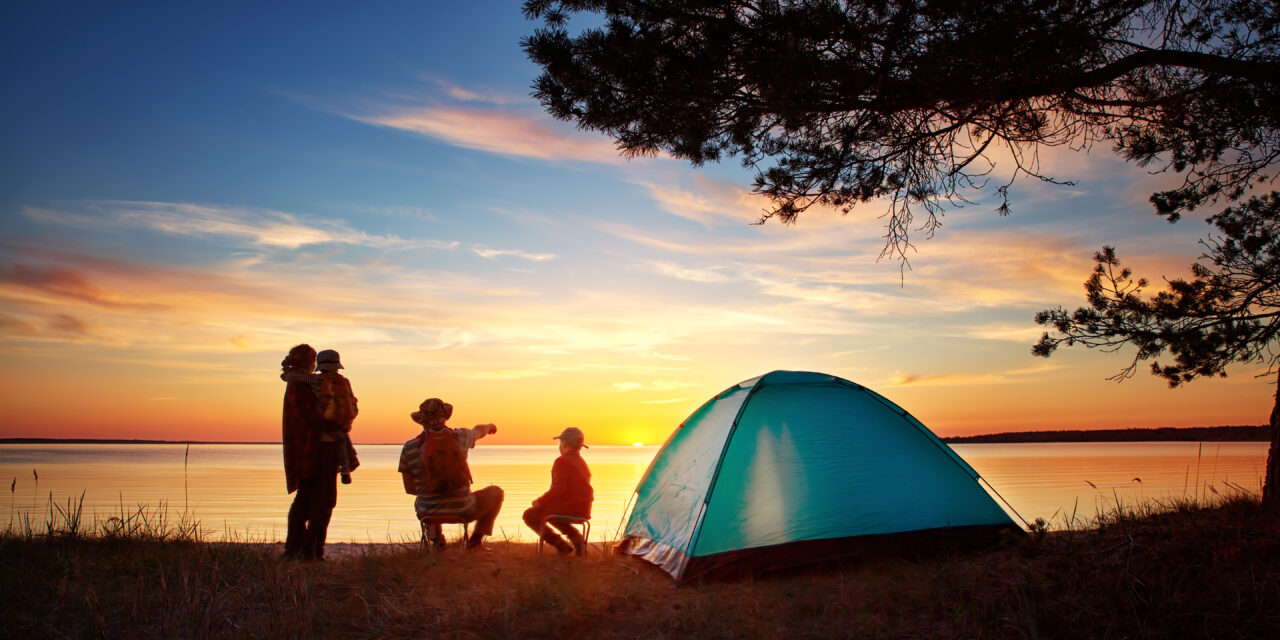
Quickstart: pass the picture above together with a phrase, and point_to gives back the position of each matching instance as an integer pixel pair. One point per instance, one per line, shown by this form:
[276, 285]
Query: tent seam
[715, 475]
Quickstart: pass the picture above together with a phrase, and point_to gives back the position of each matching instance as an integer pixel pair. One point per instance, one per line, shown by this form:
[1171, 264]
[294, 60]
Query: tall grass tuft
[151, 524]
[64, 521]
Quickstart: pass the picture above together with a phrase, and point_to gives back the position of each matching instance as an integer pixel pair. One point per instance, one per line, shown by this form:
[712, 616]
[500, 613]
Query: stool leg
[579, 539]
[433, 535]
[546, 534]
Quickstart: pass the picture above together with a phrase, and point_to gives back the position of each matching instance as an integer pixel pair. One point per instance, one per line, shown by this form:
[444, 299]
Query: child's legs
[536, 519]
[571, 532]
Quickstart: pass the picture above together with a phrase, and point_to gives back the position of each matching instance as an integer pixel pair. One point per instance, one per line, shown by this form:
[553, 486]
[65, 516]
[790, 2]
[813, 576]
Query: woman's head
[301, 358]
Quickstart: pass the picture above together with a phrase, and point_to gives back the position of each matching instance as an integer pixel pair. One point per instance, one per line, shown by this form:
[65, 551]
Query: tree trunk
[1271, 486]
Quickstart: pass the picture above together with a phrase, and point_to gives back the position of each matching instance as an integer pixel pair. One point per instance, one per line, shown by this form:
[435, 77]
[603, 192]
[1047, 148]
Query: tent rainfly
[794, 467]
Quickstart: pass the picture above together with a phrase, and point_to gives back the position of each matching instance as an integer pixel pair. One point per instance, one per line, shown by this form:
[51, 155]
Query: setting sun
[637, 444]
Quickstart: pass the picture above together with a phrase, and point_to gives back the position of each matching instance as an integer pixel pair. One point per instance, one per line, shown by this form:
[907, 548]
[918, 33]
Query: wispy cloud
[1020, 374]
[655, 385]
[225, 304]
[666, 401]
[68, 324]
[258, 227]
[1023, 334]
[505, 374]
[494, 254]
[10, 325]
[480, 119]
[708, 202]
[55, 327]
[714, 274]
[902, 379]
[408, 212]
[755, 242]
[463, 94]
[495, 131]
[40, 284]
[485, 327]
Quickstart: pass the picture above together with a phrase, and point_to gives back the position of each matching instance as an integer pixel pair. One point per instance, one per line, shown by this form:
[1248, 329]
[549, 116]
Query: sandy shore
[343, 550]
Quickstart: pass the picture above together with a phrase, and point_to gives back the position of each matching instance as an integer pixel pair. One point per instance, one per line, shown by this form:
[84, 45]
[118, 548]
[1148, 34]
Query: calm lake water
[237, 491]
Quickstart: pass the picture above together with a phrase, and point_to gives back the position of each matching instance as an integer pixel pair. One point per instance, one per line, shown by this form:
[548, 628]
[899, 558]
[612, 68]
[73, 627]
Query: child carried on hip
[339, 406]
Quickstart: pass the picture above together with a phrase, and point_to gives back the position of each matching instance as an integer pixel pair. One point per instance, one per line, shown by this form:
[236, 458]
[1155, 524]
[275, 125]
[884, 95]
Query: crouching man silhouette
[434, 468]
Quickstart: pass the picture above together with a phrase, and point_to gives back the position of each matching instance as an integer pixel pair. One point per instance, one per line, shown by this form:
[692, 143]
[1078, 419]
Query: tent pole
[626, 513]
[1006, 502]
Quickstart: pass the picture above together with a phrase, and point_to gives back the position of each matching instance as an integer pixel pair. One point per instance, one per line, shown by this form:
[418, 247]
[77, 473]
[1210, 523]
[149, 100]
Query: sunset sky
[191, 188]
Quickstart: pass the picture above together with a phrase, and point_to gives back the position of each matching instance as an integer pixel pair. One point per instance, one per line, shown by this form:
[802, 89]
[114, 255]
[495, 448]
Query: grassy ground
[1157, 571]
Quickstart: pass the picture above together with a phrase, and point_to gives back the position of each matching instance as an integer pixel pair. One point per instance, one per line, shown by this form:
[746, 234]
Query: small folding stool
[428, 521]
[583, 523]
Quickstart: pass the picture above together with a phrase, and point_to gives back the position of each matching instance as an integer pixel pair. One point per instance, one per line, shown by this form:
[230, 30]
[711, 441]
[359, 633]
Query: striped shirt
[435, 504]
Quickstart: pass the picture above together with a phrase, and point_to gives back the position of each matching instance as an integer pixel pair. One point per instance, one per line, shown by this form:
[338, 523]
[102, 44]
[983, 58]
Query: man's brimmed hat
[432, 408]
[328, 360]
[572, 435]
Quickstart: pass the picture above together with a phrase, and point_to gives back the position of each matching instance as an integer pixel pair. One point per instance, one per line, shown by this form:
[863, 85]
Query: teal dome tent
[794, 467]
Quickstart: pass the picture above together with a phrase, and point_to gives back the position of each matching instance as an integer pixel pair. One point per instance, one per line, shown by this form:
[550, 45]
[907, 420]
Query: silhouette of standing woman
[310, 463]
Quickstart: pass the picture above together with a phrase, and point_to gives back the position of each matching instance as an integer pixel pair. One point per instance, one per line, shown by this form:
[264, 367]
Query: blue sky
[191, 188]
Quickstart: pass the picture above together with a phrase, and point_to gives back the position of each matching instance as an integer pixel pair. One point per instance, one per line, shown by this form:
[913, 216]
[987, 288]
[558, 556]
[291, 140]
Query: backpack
[336, 397]
[444, 470]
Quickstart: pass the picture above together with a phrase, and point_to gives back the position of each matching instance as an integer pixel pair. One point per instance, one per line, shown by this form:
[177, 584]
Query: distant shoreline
[1160, 434]
[114, 441]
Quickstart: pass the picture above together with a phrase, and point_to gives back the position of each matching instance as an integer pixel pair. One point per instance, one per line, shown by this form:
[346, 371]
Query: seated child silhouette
[570, 495]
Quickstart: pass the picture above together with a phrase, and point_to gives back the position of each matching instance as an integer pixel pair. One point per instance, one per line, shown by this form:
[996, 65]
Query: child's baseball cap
[572, 435]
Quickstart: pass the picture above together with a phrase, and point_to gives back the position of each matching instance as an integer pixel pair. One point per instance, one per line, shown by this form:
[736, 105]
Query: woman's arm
[302, 402]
